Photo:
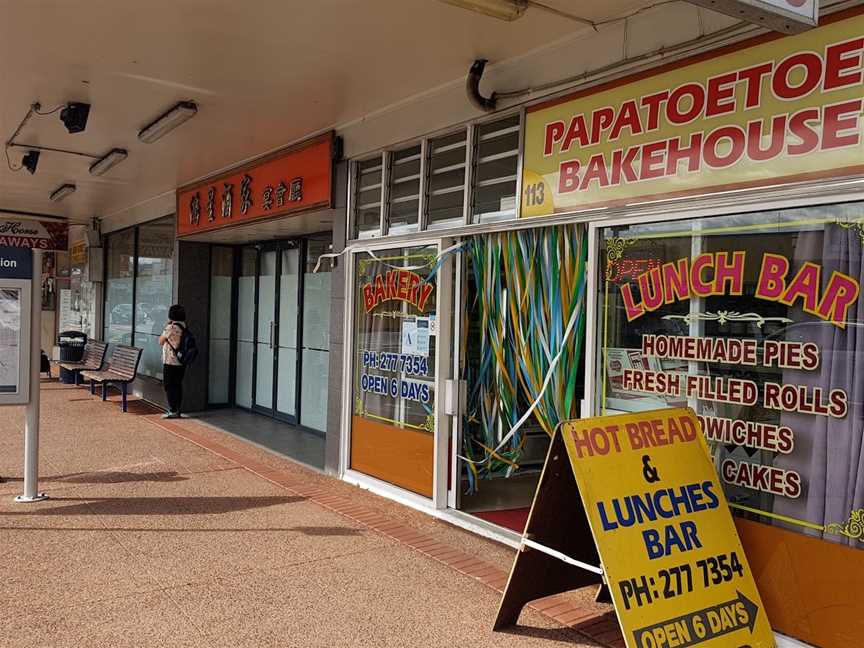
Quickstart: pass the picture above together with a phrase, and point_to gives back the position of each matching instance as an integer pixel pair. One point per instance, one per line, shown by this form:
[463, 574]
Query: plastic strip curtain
[529, 283]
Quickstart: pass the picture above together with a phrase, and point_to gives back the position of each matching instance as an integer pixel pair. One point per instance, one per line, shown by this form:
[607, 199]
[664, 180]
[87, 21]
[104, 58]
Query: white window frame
[470, 129]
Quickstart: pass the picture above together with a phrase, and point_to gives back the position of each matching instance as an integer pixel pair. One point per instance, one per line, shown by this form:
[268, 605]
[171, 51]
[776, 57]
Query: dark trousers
[172, 378]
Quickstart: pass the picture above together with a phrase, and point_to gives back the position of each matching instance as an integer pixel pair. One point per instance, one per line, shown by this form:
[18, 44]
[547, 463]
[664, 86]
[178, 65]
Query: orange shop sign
[296, 179]
[773, 109]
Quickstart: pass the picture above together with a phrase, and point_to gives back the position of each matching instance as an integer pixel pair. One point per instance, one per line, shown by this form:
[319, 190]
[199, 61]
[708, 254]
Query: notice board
[642, 505]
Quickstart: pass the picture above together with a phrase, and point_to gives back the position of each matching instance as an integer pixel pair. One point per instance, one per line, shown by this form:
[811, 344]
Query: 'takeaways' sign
[34, 234]
[671, 555]
[772, 109]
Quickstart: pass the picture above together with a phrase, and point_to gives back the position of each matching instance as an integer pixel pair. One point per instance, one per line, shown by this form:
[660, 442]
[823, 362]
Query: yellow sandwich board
[663, 538]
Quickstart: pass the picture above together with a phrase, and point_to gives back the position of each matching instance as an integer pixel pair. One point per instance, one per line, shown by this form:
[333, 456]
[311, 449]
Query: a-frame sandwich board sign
[634, 500]
[557, 527]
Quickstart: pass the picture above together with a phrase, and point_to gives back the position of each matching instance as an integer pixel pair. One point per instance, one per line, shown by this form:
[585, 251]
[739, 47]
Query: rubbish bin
[71, 345]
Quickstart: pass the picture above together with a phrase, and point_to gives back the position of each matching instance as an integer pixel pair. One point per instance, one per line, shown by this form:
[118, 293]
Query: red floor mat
[514, 519]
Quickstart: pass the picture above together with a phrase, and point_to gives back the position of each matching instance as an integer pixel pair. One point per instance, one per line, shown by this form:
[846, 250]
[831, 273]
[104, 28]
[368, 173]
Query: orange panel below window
[809, 586]
[400, 457]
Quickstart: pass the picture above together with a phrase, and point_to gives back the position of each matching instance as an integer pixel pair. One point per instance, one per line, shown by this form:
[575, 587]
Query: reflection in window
[495, 170]
[446, 181]
[392, 431]
[153, 286]
[403, 200]
[138, 289]
[367, 198]
[119, 277]
[315, 360]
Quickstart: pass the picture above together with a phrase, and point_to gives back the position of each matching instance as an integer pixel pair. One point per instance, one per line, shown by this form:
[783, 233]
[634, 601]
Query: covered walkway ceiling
[264, 74]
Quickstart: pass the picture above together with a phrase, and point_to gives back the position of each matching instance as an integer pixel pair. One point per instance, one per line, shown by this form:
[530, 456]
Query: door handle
[272, 328]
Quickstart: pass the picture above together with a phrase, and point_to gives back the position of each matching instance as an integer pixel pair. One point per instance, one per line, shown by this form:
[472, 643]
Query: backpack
[187, 350]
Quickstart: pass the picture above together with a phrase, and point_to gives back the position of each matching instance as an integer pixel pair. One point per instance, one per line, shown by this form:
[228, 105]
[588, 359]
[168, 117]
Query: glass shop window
[153, 284]
[403, 196]
[756, 322]
[367, 198]
[496, 165]
[393, 422]
[119, 280]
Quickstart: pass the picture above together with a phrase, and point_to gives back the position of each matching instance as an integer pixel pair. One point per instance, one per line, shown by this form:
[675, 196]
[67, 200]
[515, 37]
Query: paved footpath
[175, 534]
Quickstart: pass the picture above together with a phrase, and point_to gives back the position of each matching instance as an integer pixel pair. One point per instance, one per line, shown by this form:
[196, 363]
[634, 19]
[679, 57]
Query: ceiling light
[111, 159]
[180, 113]
[502, 9]
[30, 160]
[74, 116]
[61, 192]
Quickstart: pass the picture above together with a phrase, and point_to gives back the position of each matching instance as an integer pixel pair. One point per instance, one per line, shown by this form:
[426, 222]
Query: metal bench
[121, 370]
[94, 356]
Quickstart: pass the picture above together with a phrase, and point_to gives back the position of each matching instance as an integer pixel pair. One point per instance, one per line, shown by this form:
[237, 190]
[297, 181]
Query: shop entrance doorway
[522, 296]
[282, 339]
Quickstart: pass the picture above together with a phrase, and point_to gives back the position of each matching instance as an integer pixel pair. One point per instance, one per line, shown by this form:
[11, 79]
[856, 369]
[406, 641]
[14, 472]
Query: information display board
[663, 537]
[16, 272]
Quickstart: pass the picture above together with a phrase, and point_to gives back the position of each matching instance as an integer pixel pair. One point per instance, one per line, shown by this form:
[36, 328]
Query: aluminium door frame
[277, 247]
[443, 344]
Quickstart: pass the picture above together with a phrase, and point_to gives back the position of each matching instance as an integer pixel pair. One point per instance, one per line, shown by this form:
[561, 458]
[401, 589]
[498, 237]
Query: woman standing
[172, 368]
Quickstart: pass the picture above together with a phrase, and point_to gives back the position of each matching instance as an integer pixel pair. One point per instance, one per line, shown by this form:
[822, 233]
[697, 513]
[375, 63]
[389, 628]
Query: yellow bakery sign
[671, 556]
[767, 111]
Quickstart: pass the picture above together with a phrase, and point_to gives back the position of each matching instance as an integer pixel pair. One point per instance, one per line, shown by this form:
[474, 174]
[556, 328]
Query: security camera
[74, 116]
[30, 160]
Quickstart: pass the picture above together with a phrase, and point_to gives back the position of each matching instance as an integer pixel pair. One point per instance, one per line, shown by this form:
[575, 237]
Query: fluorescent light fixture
[62, 191]
[508, 10]
[108, 162]
[164, 124]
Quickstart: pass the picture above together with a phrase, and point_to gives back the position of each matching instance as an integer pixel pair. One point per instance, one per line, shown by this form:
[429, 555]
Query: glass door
[282, 324]
[265, 330]
[270, 386]
[286, 334]
[245, 326]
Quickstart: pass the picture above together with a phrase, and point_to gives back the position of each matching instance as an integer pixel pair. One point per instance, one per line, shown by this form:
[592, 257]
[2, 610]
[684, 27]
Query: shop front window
[119, 285]
[315, 354]
[393, 404]
[139, 288]
[153, 285]
[219, 361]
[756, 322]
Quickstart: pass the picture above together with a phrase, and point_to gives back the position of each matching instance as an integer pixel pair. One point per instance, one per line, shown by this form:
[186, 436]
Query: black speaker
[74, 116]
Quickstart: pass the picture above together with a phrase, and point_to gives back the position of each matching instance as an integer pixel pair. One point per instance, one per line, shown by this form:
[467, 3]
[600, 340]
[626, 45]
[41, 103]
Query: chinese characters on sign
[195, 209]
[228, 200]
[297, 179]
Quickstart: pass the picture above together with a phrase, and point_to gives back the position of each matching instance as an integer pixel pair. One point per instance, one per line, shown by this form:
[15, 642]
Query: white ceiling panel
[264, 73]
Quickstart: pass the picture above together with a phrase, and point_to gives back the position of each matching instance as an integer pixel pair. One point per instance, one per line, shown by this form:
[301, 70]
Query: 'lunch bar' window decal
[756, 322]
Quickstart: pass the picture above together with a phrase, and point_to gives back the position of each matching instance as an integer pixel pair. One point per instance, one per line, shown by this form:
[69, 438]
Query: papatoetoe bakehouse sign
[296, 179]
[34, 234]
[771, 110]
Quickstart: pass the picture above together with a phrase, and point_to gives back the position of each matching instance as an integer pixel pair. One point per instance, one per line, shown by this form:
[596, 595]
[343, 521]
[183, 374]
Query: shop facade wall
[337, 318]
[585, 57]
[192, 290]
[137, 214]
